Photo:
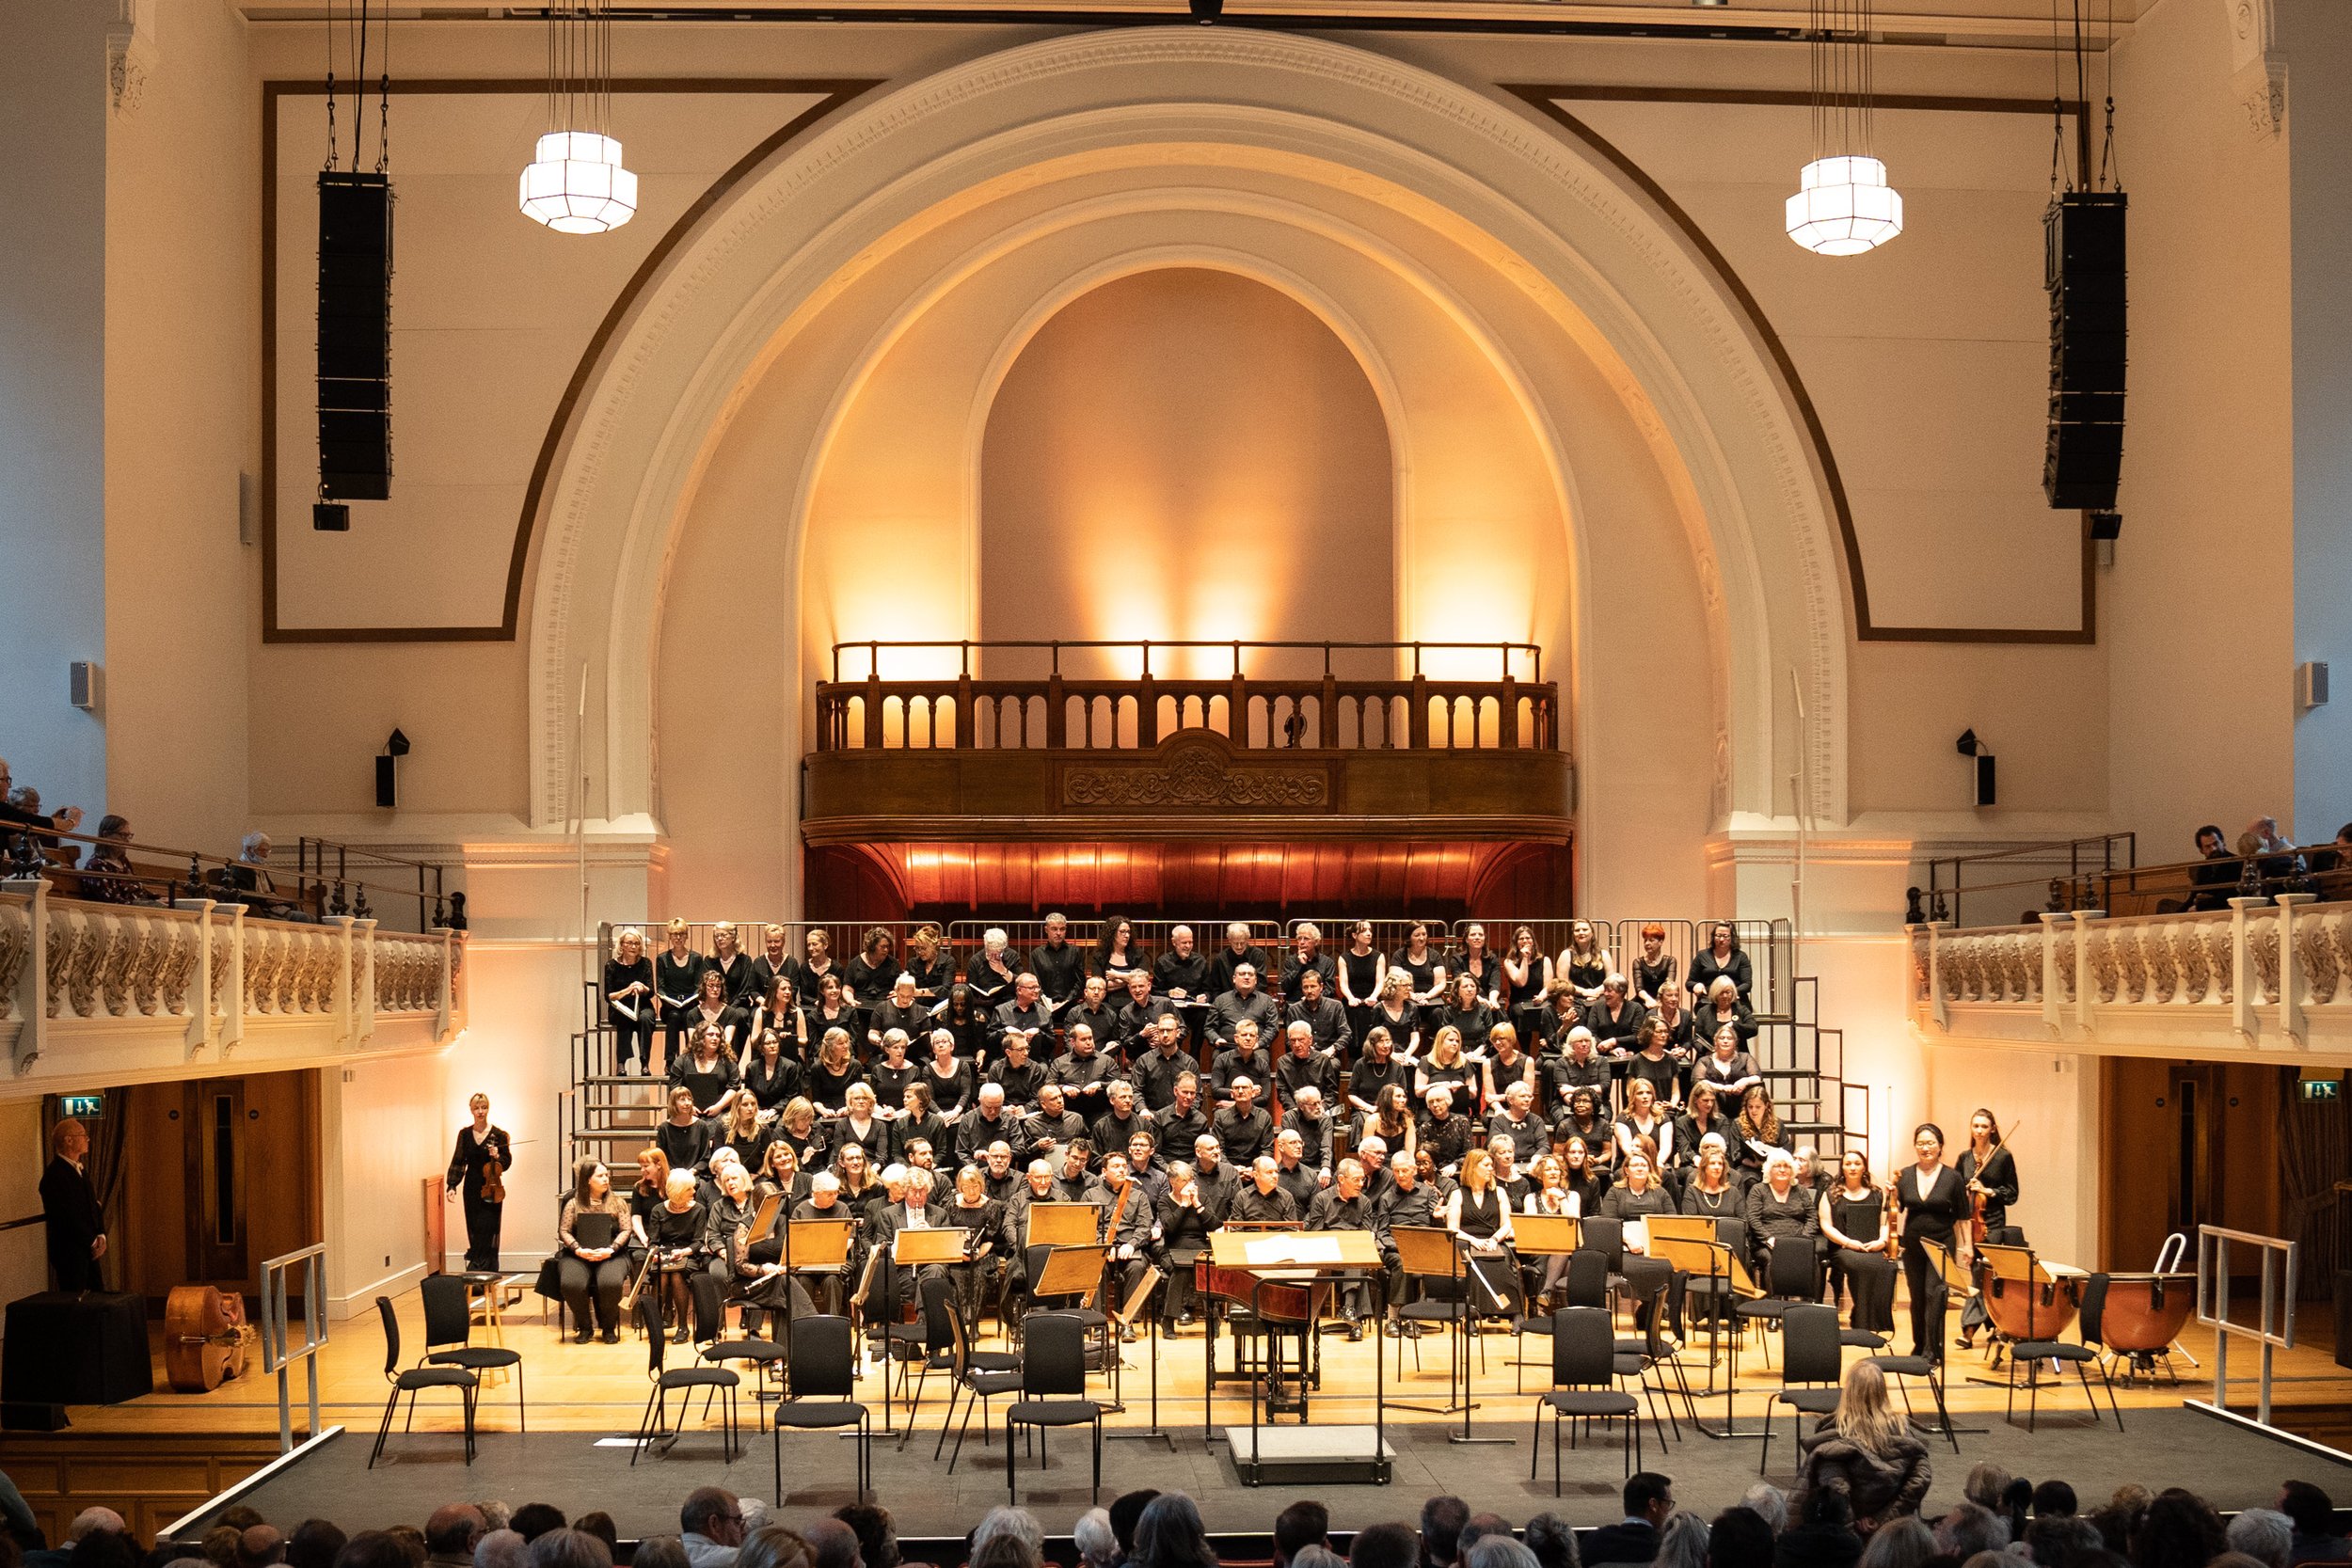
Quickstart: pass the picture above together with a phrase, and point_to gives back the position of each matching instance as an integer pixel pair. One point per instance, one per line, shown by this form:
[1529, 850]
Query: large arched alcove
[1185, 454]
[1658, 499]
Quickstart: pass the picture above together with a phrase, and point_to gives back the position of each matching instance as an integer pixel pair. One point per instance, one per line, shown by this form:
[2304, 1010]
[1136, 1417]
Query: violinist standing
[477, 1172]
[1990, 1172]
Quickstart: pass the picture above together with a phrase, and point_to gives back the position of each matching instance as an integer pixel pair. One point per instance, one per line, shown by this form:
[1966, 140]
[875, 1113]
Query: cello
[205, 1338]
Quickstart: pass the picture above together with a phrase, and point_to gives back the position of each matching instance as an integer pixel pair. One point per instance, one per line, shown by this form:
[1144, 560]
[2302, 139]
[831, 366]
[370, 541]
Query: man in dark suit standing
[1648, 1499]
[69, 1209]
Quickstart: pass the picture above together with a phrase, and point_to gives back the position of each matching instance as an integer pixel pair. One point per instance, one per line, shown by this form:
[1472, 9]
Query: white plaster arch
[764, 263]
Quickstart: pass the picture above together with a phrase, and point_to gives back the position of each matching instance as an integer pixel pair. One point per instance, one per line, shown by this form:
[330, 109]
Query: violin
[493, 1180]
[1978, 1193]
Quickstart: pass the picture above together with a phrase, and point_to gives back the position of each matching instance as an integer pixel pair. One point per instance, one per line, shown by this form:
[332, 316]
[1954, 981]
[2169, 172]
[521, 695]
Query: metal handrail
[24, 859]
[278, 1356]
[965, 647]
[2213, 1268]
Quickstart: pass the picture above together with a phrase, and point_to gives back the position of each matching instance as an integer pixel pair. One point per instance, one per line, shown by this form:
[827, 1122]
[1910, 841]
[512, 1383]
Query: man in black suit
[1648, 1499]
[915, 1212]
[69, 1208]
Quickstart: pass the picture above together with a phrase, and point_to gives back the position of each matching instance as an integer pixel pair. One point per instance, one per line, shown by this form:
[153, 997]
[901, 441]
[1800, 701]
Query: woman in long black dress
[708, 1069]
[771, 1078]
[1989, 1168]
[629, 1001]
[1427, 968]
[1721, 957]
[1376, 1068]
[831, 1074]
[1362, 971]
[1527, 979]
[1465, 1012]
[1483, 964]
[875, 969]
[1934, 1201]
[1654, 970]
[834, 1010]
[478, 1144]
[948, 1076]
[933, 971]
[1118, 954]
[1478, 1214]
[678, 973]
[1856, 1224]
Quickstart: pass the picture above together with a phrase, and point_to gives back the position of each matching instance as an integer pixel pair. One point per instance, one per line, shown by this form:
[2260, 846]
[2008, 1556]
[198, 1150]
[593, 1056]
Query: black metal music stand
[1153, 1279]
[1725, 1277]
[1418, 1249]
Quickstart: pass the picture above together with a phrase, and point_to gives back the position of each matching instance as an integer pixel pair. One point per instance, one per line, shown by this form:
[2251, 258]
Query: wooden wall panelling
[150, 1480]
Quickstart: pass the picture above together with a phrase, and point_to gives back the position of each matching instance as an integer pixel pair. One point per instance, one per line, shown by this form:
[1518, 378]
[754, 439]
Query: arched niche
[1688, 568]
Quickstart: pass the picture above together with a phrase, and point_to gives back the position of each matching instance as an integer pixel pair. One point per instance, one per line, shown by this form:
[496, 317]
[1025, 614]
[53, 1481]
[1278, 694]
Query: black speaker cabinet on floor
[355, 336]
[67, 1349]
[2083, 266]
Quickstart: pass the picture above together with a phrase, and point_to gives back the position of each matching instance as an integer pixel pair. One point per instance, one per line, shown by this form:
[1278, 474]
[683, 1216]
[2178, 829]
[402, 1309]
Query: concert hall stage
[2233, 1467]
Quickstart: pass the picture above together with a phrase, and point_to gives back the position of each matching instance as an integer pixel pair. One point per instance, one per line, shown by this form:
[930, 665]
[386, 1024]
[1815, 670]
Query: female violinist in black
[1935, 1204]
[1990, 1171]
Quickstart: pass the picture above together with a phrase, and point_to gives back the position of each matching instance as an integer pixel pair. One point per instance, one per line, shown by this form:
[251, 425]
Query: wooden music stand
[817, 1246]
[764, 1218]
[1546, 1235]
[1680, 1228]
[1072, 1271]
[1429, 1252]
[915, 1248]
[1061, 1224]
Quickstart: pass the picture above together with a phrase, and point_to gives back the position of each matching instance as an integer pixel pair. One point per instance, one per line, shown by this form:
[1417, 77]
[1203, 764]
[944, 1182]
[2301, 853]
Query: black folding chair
[1583, 1386]
[824, 1393]
[1053, 1390]
[1586, 1284]
[449, 1321]
[1811, 1365]
[679, 1380]
[2084, 1356]
[414, 1380]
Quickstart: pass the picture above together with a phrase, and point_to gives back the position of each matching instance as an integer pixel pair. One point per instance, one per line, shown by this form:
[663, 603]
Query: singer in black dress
[629, 1002]
[478, 1144]
[1934, 1202]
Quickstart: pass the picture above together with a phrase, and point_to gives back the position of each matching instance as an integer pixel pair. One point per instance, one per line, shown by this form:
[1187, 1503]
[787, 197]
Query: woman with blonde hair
[1584, 962]
[933, 973]
[1447, 1065]
[1478, 1212]
[1865, 1450]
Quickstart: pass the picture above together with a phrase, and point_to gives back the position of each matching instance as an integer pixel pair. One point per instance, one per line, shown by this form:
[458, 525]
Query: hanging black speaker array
[355, 336]
[2083, 266]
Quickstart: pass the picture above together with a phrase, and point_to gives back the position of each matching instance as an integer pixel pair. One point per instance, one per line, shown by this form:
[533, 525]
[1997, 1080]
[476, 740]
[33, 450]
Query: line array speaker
[2083, 267]
[355, 336]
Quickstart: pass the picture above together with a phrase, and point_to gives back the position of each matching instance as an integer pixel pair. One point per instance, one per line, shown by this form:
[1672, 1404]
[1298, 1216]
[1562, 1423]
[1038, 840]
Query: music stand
[1316, 1259]
[1679, 1227]
[1125, 1318]
[1546, 1235]
[1427, 1252]
[1061, 1224]
[915, 1248]
[1072, 1271]
[1726, 1279]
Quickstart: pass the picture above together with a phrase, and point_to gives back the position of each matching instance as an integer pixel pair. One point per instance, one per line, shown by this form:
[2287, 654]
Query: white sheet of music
[1293, 1249]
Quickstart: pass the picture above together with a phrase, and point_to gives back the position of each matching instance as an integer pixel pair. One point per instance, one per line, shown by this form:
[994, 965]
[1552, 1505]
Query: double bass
[205, 1338]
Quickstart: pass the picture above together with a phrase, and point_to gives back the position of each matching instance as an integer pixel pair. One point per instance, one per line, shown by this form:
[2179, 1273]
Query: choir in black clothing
[1348, 1088]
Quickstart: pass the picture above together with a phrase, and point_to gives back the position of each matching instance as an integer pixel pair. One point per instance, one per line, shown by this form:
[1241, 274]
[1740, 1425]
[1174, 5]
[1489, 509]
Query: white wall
[2317, 38]
[52, 181]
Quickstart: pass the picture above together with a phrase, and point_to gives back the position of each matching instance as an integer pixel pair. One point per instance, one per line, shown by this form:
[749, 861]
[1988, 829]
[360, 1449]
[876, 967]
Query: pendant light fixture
[1843, 205]
[577, 185]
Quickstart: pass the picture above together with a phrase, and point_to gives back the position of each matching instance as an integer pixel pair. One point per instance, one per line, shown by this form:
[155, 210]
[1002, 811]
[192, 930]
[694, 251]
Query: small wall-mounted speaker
[388, 783]
[86, 685]
[1986, 794]
[2310, 684]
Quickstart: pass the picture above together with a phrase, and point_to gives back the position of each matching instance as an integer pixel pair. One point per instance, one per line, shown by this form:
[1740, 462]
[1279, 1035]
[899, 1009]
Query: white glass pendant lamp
[577, 182]
[1844, 204]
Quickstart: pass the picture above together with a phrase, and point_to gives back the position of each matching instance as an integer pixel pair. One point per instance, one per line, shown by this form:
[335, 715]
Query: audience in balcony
[20, 807]
[108, 875]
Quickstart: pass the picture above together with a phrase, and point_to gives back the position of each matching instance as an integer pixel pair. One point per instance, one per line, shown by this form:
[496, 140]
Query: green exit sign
[2321, 1088]
[88, 1107]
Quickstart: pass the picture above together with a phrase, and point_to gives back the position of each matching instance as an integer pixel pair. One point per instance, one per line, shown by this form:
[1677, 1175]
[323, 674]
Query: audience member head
[2313, 1510]
[1170, 1535]
[1650, 1496]
[452, 1529]
[2062, 1541]
[1317, 1557]
[1017, 1522]
[1969, 1529]
[831, 1545]
[263, 1546]
[500, 1548]
[1097, 1543]
[1008, 1551]
[2054, 1500]
[2179, 1530]
[1739, 1537]
[1392, 1545]
[1552, 1540]
[1125, 1511]
[600, 1524]
[660, 1551]
[533, 1520]
[1305, 1523]
[1769, 1503]
[877, 1533]
[412, 1541]
[1682, 1541]
[93, 1519]
[1442, 1521]
[1985, 1483]
[1900, 1543]
[714, 1513]
[2264, 1534]
[568, 1548]
[1498, 1551]
[1476, 1528]
[374, 1548]
[314, 1543]
[774, 1547]
[113, 1548]
[219, 1544]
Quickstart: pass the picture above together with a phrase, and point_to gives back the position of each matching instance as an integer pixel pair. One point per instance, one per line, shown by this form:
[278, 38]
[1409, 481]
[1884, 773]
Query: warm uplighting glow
[1844, 206]
[577, 183]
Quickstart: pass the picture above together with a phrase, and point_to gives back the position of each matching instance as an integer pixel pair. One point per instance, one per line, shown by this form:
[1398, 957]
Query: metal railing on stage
[277, 1355]
[2274, 1333]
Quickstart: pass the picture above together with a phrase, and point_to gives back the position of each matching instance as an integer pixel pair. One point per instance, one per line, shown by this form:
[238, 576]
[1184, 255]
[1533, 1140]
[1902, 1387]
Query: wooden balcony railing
[1518, 710]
